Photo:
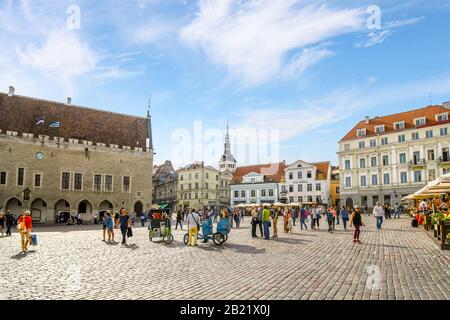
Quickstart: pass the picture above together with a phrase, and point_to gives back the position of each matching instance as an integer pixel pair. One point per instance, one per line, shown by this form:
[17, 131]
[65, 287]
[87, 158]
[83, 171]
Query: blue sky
[302, 72]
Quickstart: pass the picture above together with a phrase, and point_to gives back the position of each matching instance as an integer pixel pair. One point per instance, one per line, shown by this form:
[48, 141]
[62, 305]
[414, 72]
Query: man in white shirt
[378, 213]
[193, 222]
[423, 205]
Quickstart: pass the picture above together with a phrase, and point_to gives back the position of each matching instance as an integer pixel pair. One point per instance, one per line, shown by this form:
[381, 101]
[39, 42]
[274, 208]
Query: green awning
[163, 206]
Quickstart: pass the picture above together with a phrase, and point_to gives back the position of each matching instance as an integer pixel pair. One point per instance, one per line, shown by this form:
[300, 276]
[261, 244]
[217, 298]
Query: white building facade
[308, 183]
[386, 158]
[255, 184]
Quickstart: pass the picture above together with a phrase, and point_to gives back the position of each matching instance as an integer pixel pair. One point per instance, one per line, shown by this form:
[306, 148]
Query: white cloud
[61, 55]
[306, 59]
[253, 39]
[402, 23]
[151, 32]
[311, 115]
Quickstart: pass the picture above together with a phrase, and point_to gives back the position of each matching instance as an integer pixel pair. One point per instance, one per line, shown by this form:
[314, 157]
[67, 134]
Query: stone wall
[74, 156]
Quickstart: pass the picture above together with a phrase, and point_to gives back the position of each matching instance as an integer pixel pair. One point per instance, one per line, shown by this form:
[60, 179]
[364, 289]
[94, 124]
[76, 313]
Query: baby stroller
[160, 227]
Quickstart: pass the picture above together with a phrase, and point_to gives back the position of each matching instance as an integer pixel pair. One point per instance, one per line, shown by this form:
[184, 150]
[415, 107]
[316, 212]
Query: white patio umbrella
[278, 204]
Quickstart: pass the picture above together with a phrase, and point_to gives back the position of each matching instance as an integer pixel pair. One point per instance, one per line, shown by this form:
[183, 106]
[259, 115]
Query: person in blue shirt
[344, 217]
[109, 225]
[124, 222]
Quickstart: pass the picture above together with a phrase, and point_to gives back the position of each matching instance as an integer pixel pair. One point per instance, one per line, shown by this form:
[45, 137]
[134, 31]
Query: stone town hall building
[88, 161]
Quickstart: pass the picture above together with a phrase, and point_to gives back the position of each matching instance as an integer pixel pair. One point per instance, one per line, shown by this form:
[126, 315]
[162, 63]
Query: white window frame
[61, 180]
[405, 173]
[82, 181]
[112, 183]
[361, 180]
[401, 125]
[361, 132]
[382, 127]
[444, 114]
[419, 119]
[123, 185]
[101, 182]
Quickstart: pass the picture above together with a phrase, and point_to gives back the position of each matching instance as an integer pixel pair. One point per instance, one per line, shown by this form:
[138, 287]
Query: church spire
[227, 161]
[149, 121]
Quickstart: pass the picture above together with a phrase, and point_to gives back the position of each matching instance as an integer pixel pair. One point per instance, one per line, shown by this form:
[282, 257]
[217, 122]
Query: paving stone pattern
[396, 263]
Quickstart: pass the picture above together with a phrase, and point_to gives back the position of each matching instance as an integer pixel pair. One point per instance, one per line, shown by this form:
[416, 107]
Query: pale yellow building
[198, 186]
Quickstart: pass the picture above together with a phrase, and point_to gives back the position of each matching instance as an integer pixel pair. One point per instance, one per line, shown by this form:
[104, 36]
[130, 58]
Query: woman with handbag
[357, 222]
[125, 223]
[24, 226]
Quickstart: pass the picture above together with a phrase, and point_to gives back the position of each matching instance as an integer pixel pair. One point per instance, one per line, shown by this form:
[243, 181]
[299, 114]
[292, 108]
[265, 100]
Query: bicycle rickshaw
[219, 237]
[160, 228]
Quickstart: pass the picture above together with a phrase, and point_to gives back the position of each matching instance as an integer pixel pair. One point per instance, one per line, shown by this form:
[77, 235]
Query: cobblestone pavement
[73, 263]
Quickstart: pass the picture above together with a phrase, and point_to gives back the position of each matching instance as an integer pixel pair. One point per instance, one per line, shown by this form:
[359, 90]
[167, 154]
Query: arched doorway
[62, 211]
[349, 203]
[14, 206]
[138, 208]
[103, 207]
[85, 207]
[38, 209]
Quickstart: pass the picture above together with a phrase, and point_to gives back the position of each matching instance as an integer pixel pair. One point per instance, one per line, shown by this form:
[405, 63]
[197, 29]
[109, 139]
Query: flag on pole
[56, 124]
[40, 121]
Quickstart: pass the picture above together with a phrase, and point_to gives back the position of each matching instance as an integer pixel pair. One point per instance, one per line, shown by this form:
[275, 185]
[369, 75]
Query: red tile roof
[20, 114]
[429, 112]
[273, 172]
[321, 169]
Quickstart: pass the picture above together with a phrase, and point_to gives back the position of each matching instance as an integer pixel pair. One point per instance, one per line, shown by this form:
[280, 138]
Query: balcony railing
[444, 159]
[417, 162]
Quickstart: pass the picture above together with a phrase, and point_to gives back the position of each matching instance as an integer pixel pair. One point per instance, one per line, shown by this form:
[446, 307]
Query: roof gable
[299, 164]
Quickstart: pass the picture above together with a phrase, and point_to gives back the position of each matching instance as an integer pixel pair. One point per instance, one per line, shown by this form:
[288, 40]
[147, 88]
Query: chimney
[69, 100]
[367, 120]
[11, 91]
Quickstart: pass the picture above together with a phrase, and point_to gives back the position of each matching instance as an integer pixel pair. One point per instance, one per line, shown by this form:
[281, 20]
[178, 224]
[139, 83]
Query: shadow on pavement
[131, 246]
[290, 240]
[22, 255]
[238, 248]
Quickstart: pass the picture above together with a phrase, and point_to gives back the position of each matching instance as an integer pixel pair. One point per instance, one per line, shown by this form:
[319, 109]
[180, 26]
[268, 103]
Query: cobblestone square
[396, 263]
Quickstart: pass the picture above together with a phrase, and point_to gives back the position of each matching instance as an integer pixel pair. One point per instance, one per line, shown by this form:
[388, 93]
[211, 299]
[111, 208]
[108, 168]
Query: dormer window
[399, 125]
[361, 132]
[420, 121]
[379, 129]
[442, 117]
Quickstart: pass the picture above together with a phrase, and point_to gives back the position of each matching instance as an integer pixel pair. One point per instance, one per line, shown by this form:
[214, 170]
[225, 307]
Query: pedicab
[219, 237]
[160, 228]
